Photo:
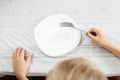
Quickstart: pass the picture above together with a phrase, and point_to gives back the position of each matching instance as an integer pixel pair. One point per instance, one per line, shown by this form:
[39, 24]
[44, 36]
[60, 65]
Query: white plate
[54, 40]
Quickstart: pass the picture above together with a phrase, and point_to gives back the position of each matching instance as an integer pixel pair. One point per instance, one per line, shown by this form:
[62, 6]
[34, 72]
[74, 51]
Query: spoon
[69, 24]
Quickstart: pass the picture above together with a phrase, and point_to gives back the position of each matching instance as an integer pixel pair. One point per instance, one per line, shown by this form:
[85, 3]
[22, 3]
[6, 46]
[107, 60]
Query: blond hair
[76, 69]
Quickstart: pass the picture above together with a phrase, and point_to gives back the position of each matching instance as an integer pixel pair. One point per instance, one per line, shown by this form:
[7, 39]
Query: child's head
[76, 69]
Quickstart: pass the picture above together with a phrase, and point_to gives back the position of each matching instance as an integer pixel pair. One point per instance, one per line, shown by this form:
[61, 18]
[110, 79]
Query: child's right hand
[20, 64]
[97, 36]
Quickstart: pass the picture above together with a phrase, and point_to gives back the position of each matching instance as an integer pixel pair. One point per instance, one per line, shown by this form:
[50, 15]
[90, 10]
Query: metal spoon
[68, 24]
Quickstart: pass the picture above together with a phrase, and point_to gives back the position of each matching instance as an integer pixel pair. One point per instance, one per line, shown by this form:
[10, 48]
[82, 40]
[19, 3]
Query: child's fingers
[18, 51]
[97, 31]
[29, 58]
[14, 53]
[91, 36]
[22, 53]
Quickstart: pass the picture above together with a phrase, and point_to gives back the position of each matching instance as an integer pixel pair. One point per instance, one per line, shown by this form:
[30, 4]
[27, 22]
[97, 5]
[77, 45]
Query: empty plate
[54, 40]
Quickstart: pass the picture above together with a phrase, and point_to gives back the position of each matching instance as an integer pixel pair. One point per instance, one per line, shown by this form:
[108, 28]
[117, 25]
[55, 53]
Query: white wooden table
[18, 19]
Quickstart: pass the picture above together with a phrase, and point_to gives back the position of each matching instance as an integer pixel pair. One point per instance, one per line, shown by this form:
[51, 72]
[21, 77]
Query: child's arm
[99, 38]
[21, 65]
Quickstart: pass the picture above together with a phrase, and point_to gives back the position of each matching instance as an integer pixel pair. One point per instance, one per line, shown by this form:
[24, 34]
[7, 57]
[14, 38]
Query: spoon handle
[80, 30]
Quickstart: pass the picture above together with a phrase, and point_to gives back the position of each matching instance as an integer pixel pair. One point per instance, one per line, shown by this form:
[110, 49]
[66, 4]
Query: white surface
[18, 19]
[55, 40]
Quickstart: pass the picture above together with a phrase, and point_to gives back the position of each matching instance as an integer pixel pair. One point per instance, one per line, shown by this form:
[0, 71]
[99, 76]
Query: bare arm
[113, 48]
[99, 38]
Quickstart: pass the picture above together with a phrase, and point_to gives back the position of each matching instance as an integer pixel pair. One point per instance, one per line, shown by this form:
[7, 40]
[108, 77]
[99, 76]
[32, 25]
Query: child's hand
[21, 65]
[97, 36]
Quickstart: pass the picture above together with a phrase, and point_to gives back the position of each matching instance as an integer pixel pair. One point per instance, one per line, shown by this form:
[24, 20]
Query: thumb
[91, 36]
[29, 58]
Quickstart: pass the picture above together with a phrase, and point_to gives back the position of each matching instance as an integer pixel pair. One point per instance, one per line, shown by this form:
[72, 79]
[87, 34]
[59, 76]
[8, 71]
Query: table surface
[18, 19]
